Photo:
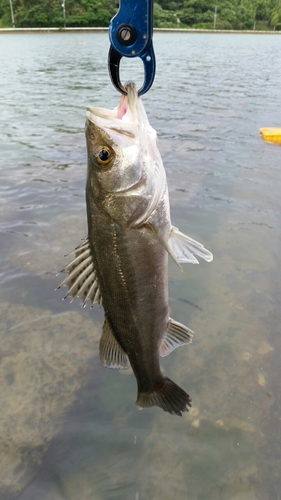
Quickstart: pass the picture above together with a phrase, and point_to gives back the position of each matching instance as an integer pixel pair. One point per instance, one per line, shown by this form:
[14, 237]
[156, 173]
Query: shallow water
[69, 427]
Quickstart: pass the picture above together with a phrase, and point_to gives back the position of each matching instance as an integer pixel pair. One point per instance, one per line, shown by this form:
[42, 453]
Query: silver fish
[123, 262]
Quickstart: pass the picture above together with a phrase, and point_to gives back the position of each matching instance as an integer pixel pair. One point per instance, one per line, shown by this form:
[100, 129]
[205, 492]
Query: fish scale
[127, 287]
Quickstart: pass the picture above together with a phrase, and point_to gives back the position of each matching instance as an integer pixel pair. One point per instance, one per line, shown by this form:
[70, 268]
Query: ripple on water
[63, 416]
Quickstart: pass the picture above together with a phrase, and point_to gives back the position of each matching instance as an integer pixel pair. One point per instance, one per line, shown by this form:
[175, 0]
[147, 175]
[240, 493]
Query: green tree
[275, 15]
[231, 14]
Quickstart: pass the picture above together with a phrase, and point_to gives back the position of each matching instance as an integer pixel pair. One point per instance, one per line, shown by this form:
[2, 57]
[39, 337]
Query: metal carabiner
[130, 34]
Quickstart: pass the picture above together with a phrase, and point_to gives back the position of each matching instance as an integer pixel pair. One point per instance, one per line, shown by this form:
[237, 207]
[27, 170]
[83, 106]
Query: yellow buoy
[271, 134]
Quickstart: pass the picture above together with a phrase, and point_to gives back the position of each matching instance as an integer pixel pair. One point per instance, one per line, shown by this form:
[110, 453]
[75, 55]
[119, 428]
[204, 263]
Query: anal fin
[111, 353]
[177, 335]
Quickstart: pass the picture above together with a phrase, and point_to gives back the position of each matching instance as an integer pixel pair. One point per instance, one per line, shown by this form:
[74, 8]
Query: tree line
[204, 14]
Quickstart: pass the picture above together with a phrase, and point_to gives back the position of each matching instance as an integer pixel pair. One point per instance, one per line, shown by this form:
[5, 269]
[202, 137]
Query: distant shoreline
[6, 31]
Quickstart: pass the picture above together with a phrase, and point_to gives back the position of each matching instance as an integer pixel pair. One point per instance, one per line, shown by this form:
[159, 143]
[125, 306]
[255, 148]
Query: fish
[123, 262]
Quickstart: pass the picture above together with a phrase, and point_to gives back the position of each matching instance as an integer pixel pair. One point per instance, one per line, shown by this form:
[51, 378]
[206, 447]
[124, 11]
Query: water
[69, 427]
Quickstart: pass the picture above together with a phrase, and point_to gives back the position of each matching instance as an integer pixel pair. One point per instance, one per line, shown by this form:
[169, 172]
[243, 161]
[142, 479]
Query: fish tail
[167, 395]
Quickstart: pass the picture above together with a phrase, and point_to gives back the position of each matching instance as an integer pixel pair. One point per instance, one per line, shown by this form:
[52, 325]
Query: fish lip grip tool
[130, 34]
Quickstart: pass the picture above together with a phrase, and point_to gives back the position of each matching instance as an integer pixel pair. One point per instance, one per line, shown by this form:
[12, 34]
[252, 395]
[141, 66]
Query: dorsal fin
[81, 280]
[177, 335]
[111, 353]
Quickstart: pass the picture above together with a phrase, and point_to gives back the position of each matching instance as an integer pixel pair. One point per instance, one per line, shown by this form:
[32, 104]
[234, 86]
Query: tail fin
[168, 396]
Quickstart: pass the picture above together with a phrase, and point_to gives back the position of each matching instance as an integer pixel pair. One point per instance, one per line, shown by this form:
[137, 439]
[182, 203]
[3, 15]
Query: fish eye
[103, 155]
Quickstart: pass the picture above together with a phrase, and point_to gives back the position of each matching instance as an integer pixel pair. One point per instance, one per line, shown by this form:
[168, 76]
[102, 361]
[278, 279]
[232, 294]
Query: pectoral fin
[177, 335]
[81, 279]
[163, 243]
[111, 353]
[184, 248]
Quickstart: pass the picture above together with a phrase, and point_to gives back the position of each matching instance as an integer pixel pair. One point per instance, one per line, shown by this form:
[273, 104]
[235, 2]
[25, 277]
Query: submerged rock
[44, 360]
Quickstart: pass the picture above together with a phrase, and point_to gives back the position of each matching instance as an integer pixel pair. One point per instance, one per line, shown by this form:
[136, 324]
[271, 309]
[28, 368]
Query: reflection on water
[69, 428]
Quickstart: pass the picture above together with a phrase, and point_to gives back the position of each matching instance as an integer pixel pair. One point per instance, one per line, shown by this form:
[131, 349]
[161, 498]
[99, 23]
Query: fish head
[114, 156]
[123, 158]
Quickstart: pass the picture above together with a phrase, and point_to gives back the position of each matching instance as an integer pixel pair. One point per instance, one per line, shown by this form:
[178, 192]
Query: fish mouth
[123, 119]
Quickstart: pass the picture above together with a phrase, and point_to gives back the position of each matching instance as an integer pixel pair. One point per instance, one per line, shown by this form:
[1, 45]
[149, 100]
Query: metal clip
[130, 34]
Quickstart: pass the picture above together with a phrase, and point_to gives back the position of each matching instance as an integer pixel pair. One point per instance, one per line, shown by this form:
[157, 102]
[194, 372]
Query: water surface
[69, 427]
